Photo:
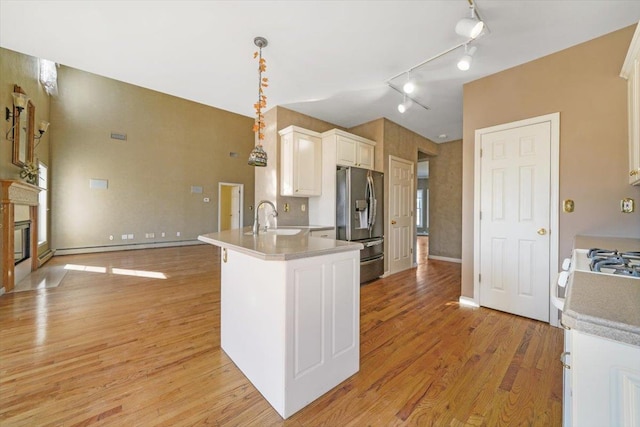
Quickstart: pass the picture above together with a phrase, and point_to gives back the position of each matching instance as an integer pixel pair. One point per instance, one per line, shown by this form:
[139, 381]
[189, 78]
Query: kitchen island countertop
[272, 246]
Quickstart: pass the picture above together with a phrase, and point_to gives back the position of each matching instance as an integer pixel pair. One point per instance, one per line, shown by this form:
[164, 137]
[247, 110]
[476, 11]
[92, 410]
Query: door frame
[240, 200]
[554, 194]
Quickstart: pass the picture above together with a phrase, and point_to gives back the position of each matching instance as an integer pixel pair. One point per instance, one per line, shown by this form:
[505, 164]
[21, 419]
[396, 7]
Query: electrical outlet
[124, 237]
[286, 207]
[162, 234]
[130, 236]
[303, 207]
[178, 234]
[626, 205]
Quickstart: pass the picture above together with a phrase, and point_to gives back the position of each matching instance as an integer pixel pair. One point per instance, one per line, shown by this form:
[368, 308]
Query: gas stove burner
[631, 255]
[608, 262]
[597, 252]
[627, 271]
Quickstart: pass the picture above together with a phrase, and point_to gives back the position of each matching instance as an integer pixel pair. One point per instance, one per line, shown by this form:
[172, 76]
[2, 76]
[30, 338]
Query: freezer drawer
[371, 269]
[373, 248]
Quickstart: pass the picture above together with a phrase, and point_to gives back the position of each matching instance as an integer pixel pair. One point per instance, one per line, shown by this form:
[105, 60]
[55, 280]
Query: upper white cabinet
[351, 150]
[300, 162]
[631, 72]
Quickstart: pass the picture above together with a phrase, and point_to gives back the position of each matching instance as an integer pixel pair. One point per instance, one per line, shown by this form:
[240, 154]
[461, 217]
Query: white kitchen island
[290, 312]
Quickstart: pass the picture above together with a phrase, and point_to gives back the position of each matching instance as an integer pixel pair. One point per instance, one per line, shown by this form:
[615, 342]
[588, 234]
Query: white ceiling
[327, 59]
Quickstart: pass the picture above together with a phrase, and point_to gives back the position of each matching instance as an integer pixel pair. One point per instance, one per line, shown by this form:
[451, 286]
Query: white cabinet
[292, 327]
[300, 162]
[327, 234]
[339, 148]
[353, 151]
[604, 381]
[631, 72]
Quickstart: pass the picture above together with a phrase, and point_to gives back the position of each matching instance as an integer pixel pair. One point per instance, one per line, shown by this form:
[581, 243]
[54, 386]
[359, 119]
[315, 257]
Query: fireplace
[21, 241]
[18, 231]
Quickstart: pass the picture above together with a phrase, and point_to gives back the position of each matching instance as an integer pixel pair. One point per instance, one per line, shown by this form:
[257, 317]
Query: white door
[515, 220]
[401, 223]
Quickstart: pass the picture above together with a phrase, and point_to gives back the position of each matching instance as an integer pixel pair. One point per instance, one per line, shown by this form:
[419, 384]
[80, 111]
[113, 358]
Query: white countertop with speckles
[272, 246]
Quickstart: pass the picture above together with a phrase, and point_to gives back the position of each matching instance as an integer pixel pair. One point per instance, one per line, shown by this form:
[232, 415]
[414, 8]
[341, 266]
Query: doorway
[230, 196]
[516, 215]
[422, 209]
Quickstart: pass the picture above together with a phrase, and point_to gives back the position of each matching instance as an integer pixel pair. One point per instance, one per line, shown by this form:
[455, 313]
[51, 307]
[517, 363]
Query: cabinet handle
[224, 254]
[563, 359]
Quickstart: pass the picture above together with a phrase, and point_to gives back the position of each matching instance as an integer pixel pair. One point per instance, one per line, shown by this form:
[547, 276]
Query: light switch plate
[627, 205]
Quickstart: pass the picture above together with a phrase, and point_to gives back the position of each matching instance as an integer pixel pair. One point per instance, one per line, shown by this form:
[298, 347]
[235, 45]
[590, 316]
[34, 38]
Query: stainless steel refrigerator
[360, 216]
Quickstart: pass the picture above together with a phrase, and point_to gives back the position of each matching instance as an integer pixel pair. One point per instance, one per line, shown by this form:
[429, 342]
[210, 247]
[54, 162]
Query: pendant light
[258, 157]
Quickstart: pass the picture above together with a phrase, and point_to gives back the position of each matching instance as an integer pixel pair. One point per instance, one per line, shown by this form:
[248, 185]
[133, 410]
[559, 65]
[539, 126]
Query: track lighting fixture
[406, 103]
[465, 62]
[409, 86]
[470, 27]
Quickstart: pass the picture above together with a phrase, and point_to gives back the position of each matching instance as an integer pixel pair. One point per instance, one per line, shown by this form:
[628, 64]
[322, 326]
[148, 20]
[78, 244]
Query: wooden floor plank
[111, 349]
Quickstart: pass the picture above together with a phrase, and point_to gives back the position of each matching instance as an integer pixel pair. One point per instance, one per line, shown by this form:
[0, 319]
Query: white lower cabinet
[327, 234]
[292, 327]
[603, 381]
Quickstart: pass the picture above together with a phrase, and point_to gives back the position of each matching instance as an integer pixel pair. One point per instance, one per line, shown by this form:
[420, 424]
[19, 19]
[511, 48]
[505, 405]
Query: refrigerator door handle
[373, 243]
[372, 201]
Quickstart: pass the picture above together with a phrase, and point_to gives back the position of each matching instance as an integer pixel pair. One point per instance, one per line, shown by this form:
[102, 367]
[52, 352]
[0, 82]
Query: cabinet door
[327, 234]
[346, 151]
[365, 156]
[307, 158]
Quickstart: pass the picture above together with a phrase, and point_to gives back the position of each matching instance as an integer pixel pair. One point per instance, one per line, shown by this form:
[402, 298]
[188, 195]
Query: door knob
[393, 221]
[542, 232]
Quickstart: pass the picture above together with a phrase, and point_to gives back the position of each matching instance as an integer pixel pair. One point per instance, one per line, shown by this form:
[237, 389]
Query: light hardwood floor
[110, 346]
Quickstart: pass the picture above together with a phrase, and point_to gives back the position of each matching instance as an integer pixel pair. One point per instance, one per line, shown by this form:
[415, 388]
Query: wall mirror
[23, 132]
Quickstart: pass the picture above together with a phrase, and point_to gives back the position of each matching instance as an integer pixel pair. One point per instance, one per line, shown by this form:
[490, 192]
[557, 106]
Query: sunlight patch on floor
[118, 271]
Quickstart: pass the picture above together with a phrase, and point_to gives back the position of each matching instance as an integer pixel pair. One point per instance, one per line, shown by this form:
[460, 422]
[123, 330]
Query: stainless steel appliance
[360, 216]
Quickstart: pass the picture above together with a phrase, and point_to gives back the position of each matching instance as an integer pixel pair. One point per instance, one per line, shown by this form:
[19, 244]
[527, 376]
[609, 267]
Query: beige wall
[23, 70]
[172, 144]
[445, 201]
[583, 84]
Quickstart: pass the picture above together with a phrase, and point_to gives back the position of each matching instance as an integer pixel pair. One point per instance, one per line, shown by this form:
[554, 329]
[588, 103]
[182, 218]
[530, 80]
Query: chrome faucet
[256, 225]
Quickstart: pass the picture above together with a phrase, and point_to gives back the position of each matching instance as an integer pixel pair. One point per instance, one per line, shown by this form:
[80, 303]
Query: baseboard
[43, 258]
[114, 248]
[444, 258]
[469, 302]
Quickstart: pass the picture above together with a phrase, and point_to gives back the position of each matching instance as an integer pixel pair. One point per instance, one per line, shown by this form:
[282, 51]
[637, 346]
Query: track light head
[470, 27]
[409, 87]
[465, 62]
